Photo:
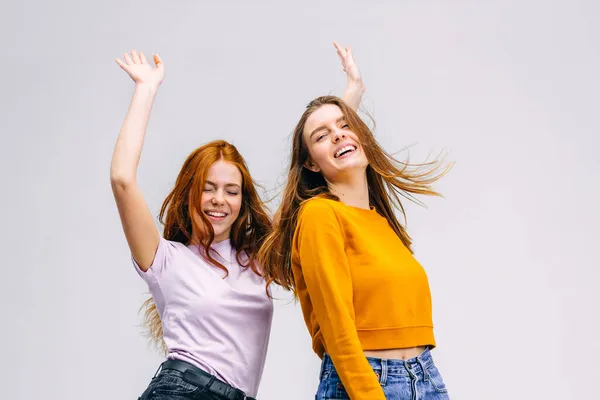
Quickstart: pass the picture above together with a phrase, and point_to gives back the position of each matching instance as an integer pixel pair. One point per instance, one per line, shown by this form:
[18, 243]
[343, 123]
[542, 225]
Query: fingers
[339, 49]
[348, 65]
[135, 57]
[349, 55]
[158, 61]
[121, 63]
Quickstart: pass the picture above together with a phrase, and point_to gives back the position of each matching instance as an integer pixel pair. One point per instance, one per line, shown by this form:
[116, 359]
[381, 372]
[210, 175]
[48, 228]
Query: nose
[338, 135]
[218, 198]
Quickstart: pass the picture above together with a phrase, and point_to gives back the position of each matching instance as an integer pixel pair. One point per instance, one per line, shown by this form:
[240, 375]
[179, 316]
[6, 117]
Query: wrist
[147, 88]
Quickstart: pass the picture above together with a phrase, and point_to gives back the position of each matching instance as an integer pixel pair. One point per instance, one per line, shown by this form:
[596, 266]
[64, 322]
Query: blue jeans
[413, 379]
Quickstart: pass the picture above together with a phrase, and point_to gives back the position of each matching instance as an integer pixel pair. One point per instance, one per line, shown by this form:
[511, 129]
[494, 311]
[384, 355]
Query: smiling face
[334, 149]
[221, 199]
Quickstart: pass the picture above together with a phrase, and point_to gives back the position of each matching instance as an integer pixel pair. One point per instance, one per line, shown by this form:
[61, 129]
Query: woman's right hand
[140, 70]
[137, 220]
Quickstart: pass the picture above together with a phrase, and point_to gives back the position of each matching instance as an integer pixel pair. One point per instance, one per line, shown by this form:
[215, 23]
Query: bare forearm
[129, 145]
[353, 94]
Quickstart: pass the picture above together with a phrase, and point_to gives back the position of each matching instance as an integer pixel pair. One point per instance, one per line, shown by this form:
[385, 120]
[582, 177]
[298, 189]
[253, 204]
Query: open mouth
[348, 149]
[215, 215]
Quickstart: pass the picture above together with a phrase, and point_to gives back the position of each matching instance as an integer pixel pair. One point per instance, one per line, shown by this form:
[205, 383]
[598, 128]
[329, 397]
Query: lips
[343, 150]
[216, 215]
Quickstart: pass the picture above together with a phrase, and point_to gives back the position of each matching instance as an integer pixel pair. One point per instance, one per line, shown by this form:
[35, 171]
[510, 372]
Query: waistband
[200, 378]
[381, 366]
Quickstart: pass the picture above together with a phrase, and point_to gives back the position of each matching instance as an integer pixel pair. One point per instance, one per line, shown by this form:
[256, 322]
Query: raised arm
[354, 83]
[138, 224]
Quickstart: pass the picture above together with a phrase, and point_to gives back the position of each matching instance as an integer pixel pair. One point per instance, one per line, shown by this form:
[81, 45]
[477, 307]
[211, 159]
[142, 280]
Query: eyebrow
[227, 184]
[320, 128]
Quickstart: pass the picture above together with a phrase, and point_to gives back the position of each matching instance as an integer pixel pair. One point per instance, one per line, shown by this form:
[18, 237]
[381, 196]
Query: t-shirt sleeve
[163, 254]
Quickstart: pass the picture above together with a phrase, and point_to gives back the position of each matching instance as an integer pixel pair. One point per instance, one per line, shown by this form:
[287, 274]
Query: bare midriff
[396, 354]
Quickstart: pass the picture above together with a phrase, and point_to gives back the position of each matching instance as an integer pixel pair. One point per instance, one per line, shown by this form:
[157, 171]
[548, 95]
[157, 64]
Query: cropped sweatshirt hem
[386, 339]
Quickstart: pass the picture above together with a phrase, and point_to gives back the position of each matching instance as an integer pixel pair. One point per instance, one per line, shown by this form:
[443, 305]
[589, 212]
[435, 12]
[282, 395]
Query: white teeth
[215, 214]
[343, 149]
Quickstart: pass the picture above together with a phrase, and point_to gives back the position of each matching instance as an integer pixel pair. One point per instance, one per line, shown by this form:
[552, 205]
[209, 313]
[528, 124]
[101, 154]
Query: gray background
[510, 88]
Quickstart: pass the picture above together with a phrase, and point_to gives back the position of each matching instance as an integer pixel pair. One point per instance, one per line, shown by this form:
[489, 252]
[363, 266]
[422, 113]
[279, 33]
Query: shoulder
[172, 248]
[320, 213]
[174, 245]
[317, 208]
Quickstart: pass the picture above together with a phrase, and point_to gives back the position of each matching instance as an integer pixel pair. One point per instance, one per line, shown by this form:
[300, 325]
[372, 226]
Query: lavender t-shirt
[219, 325]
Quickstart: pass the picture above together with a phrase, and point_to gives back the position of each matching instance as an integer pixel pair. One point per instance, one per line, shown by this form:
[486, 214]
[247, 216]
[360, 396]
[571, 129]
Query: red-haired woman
[209, 307]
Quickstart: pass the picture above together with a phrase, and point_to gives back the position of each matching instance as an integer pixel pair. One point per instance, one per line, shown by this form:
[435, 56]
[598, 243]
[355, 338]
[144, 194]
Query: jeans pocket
[331, 388]
[436, 380]
[171, 383]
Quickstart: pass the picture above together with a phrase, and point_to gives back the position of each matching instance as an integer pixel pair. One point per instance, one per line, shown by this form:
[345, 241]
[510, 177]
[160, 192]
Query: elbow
[119, 181]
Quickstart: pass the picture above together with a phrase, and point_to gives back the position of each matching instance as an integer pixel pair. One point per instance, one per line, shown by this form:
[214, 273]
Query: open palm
[140, 70]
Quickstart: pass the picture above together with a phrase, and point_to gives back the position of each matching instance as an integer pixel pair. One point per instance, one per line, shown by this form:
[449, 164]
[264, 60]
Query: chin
[221, 234]
[355, 165]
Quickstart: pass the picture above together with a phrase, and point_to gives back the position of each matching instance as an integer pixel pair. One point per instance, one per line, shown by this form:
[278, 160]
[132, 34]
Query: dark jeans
[170, 385]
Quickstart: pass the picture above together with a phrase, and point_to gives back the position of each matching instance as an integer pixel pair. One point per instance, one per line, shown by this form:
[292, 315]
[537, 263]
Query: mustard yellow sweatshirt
[359, 288]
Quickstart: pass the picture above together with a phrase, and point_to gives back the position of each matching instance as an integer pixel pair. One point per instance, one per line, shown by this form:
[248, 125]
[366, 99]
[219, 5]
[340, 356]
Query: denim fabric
[170, 385]
[413, 379]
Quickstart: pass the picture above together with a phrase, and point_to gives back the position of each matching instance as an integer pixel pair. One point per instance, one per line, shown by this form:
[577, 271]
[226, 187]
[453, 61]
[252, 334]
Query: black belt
[198, 377]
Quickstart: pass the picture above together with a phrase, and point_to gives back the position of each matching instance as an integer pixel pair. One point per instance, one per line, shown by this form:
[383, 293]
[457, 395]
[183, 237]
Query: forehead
[224, 172]
[326, 114]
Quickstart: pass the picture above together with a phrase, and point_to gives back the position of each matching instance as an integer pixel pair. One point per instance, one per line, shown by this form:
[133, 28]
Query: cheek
[236, 204]
[205, 198]
[319, 153]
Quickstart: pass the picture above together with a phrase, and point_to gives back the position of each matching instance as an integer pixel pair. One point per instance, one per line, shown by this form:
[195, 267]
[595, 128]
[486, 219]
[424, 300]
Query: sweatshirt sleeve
[320, 245]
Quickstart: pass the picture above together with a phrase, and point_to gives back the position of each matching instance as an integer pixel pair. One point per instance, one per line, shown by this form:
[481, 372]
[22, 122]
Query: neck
[352, 191]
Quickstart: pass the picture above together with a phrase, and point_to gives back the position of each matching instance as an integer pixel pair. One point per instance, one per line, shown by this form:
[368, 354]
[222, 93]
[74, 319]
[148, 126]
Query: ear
[311, 166]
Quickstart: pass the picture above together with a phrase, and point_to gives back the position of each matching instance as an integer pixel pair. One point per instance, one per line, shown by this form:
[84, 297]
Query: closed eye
[321, 137]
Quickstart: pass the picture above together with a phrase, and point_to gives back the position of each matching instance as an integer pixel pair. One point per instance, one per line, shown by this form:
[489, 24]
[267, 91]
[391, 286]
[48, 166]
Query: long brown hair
[247, 232]
[388, 180]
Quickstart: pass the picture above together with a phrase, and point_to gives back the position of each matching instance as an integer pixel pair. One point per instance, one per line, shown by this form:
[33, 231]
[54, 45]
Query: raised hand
[354, 83]
[138, 68]
[348, 64]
